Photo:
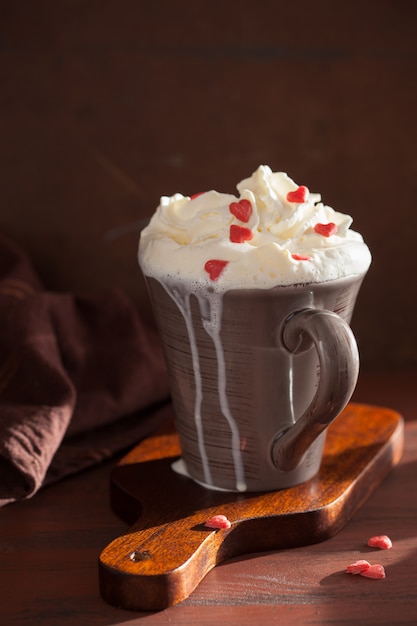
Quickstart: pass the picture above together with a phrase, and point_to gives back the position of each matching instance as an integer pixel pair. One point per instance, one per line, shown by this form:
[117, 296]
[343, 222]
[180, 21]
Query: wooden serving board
[167, 550]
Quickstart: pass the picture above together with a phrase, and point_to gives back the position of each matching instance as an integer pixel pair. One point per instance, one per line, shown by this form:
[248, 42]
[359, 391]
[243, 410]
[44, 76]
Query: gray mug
[256, 376]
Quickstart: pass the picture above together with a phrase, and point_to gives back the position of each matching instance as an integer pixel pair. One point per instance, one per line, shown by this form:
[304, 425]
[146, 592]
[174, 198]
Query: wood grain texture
[49, 548]
[168, 551]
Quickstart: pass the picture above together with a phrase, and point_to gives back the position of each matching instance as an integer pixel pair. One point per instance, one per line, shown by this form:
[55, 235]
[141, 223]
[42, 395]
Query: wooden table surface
[49, 548]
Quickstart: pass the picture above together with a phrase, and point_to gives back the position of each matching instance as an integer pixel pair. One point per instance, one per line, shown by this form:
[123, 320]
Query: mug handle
[339, 367]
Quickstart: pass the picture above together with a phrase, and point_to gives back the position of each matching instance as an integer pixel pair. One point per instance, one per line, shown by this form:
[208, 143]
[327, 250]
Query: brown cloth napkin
[81, 378]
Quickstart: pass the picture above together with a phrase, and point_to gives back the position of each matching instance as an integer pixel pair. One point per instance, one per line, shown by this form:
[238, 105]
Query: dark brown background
[105, 105]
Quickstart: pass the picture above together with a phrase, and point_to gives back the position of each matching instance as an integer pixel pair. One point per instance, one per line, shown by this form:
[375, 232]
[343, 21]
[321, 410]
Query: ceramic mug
[256, 376]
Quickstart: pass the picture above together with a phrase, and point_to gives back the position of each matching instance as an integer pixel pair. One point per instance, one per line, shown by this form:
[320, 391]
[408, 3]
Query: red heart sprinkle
[218, 521]
[380, 541]
[376, 571]
[300, 257]
[214, 268]
[326, 229]
[239, 234]
[195, 195]
[298, 195]
[242, 209]
[358, 567]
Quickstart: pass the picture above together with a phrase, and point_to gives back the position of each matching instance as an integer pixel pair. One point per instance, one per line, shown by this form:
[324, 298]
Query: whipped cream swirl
[273, 233]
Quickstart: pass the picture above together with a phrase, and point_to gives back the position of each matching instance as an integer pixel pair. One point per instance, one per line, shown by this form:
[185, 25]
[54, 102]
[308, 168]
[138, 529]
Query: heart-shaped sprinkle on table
[383, 542]
[326, 229]
[218, 522]
[242, 209]
[240, 234]
[214, 268]
[358, 567]
[300, 257]
[298, 195]
[376, 571]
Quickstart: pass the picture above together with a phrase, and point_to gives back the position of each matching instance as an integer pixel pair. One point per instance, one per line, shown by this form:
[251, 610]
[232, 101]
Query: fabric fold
[72, 368]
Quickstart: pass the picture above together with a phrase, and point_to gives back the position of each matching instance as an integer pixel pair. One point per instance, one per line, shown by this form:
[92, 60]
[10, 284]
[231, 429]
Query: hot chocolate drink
[253, 296]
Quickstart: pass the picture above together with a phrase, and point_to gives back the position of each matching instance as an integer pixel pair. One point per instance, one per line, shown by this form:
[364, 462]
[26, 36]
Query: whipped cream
[273, 233]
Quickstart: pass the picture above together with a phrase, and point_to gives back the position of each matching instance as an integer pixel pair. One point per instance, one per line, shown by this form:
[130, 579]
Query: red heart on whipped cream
[242, 209]
[214, 268]
[300, 257]
[326, 229]
[196, 195]
[298, 195]
[240, 234]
